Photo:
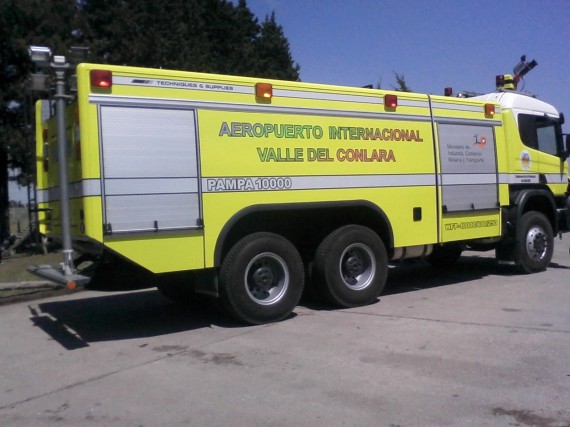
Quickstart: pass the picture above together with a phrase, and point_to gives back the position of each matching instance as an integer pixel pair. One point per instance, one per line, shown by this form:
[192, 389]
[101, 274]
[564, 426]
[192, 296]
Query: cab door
[543, 134]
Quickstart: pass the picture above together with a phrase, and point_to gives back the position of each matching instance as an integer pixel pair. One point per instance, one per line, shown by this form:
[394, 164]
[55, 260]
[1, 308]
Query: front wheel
[534, 243]
[261, 278]
[351, 266]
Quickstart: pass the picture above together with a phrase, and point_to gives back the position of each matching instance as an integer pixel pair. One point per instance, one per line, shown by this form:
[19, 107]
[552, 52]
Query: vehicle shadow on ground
[417, 274]
[76, 323]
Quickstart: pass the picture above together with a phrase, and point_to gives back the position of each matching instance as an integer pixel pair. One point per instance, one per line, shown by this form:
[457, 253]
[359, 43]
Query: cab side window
[539, 132]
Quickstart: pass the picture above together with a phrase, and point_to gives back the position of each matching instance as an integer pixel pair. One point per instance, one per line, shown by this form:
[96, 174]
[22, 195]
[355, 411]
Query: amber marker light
[264, 90]
[489, 110]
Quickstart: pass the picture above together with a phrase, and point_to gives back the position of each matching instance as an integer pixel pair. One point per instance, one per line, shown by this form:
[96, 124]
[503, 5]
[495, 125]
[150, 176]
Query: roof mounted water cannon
[523, 67]
[510, 82]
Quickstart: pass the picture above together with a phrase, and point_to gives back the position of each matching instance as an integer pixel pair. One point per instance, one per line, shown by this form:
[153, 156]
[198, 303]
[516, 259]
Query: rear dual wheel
[351, 266]
[261, 278]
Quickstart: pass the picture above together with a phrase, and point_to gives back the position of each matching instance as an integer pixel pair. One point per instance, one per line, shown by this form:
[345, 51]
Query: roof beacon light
[391, 101]
[101, 78]
[448, 91]
[505, 82]
[264, 90]
[510, 81]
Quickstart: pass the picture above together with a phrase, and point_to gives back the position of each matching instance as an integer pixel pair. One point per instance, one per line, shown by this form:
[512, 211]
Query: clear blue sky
[434, 43]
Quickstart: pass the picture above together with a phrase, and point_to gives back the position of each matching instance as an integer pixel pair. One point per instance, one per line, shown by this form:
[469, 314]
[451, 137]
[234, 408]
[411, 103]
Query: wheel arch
[539, 200]
[318, 220]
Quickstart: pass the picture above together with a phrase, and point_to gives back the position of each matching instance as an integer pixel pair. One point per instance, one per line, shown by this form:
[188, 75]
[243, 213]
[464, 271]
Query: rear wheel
[261, 278]
[351, 266]
[534, 243]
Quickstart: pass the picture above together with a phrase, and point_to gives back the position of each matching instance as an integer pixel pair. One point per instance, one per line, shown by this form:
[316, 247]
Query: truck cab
[536, 155]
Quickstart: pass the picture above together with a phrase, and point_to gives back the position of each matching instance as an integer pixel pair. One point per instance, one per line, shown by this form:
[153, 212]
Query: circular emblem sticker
[525, 160]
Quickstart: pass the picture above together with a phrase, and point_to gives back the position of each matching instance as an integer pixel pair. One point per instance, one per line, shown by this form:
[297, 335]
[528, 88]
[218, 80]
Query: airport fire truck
[245, 189]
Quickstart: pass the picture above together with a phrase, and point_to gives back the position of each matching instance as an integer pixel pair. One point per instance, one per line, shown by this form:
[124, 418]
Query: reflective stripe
[181, 84]
[467, 178]
[518, 178]
[463, 107]
[323, 96]
[129, 186]
[125, 101]
[556, 178]
[78, 189]
[449, 120]
[271, 183]
[373, 98]
[534, 178]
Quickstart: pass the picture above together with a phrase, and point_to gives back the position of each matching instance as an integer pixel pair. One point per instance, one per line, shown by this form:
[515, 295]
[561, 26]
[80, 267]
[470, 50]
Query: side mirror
[565, 152]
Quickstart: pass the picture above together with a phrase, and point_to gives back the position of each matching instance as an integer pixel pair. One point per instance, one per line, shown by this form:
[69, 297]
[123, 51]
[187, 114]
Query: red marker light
[390, 101]
[101, 78]
[489, 110]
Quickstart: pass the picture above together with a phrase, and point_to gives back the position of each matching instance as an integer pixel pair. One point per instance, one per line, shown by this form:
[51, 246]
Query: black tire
[445, 255]
[351, 266]
[261, 279]
[534, 243]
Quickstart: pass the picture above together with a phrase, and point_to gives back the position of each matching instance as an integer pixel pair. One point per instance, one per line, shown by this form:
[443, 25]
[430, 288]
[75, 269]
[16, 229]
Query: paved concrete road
[472, 346]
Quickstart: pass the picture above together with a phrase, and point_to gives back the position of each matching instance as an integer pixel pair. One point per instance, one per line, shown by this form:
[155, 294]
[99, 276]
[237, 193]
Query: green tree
[143, 33]
[197, 35]
[22, 23]
[213, 36]
[273, 52]
[402, 86]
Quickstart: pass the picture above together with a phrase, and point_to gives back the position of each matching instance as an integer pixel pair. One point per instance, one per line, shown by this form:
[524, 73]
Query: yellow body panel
[459, 227]
[162, 254]
[329, 146]
[407, 232]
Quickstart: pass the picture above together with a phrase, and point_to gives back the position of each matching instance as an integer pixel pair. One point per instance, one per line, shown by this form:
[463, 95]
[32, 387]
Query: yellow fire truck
[245, 188]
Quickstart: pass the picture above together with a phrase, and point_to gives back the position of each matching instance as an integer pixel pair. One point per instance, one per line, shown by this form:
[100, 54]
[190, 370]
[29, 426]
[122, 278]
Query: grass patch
[13, 269]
